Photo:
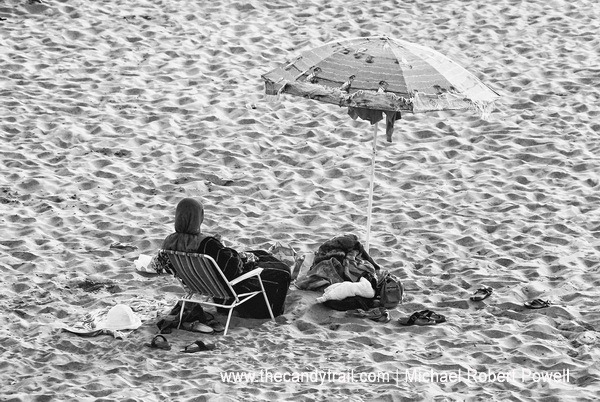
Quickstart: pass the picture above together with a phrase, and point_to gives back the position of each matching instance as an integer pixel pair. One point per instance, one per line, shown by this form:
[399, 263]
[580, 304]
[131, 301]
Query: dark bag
[390, 291]
[355, 302]
[351, 303]
[276, 278]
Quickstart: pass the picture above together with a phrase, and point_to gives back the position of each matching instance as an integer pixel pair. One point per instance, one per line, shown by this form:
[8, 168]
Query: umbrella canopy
[375, 75]
[383, 74]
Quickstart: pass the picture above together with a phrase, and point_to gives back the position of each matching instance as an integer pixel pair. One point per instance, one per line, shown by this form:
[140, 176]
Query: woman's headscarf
[188, 218]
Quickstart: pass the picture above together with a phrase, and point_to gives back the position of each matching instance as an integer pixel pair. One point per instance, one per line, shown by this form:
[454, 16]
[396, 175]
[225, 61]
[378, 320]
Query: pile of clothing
[346, 272]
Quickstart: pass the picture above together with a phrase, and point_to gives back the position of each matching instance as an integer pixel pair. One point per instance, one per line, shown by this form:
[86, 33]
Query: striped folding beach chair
[205, 282]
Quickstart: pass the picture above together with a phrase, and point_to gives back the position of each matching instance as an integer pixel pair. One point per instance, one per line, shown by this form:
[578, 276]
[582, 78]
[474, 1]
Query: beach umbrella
[378, 78]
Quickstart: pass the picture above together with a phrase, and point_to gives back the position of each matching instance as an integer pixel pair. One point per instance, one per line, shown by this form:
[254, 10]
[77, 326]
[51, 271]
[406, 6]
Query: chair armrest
[250, 274]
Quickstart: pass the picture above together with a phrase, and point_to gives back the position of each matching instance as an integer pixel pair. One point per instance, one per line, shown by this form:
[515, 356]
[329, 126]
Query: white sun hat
[120, 317]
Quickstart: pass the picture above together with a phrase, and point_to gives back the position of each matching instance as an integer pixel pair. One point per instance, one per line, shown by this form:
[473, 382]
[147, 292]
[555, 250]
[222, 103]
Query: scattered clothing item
[89, 332]
[146, 265]
[198, 346]
[537, 303]
[159, 342]
[342, 290]
[123, 246]
[373, 116]
[118, 319]
[482, 293]
[424, 317]
[92, 285]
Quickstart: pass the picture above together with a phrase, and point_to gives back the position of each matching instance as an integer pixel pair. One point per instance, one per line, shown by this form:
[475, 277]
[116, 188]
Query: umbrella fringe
[420, 102]
[280, 91]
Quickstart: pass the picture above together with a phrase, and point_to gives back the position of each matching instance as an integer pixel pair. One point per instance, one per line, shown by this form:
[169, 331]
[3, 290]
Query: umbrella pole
[370, 207]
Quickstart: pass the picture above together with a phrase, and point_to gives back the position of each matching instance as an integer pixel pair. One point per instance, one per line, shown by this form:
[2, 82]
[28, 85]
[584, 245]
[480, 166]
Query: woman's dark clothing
[189, 239]
[227, 258]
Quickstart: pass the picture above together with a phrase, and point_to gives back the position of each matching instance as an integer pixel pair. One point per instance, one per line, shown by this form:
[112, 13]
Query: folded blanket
[342, 290]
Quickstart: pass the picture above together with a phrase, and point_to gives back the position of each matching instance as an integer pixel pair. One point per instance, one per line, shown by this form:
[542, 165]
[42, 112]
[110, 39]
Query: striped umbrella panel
[404, 66]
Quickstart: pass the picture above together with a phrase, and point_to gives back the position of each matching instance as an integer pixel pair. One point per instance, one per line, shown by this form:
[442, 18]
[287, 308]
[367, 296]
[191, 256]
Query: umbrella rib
[398, 59]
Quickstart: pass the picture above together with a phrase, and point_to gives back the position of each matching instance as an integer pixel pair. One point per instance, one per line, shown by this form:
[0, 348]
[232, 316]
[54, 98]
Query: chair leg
[266, 299]
[227, 323]
[181, 313]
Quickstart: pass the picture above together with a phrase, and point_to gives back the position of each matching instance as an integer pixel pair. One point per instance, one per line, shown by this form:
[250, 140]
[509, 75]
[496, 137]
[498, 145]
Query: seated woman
[189, 238]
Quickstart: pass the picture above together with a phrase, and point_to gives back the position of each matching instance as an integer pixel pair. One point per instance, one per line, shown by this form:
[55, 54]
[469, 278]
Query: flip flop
[159, 342]
[373, 314]
[537, 303]
[216, 326]
[197, 326]
[213, 323]
[385, 317]
[198, 346]
[425, 317]
[482, 293]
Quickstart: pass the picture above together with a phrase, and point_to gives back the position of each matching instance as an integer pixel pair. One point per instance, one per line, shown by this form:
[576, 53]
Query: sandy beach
[112, 111]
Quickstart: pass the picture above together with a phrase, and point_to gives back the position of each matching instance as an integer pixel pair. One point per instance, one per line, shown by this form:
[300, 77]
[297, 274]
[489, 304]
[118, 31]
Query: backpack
[390, 291]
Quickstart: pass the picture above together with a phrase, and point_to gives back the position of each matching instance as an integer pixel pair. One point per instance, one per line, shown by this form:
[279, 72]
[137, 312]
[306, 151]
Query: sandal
[537, 303]
[213, 323]
[197, 326]
[198, 346]
[385, 317]
[373, 314]
[425, 317]
[216, 326]
[159, 342]
[482, 293]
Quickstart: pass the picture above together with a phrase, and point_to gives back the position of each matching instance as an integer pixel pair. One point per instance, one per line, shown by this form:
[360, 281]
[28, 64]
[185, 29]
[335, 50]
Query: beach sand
[113, 111]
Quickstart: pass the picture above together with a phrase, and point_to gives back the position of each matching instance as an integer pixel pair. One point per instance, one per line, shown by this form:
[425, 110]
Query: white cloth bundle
[342, 290]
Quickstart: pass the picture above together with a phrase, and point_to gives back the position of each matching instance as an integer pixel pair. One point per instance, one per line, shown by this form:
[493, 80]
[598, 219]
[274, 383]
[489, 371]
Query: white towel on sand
[342, 290]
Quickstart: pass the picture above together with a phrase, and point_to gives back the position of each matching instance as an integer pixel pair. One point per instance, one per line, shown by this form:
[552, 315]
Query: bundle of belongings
[350, 278]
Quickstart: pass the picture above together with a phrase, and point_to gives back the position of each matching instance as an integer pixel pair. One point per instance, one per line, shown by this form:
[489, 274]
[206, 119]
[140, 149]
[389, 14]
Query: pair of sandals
[486, 291]
[482, 293]
[380, 314]
[424, 317]
[537, 303]
[160, 342]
